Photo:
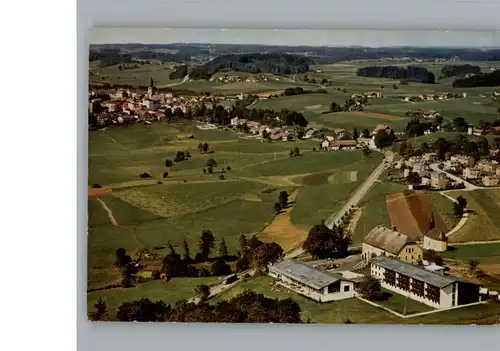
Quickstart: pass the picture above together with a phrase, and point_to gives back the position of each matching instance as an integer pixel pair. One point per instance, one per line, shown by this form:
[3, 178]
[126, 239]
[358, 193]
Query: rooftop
[417, 273]
[306, 274]
[386, 239]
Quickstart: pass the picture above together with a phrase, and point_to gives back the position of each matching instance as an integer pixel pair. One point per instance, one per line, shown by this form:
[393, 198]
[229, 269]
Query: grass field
[143, 213]
[135, 77]
[483, 222]
[398, 302]
[170, 292]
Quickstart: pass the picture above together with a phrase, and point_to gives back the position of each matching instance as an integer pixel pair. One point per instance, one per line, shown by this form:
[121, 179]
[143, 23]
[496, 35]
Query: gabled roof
[417, 273]
[306, 274]
[436, 235]
[386, 239]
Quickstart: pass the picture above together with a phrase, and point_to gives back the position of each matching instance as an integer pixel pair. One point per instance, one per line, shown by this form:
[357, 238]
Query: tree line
[247, 307]
[411, 73]
[275, 63]
[480, 80]
[459, 70]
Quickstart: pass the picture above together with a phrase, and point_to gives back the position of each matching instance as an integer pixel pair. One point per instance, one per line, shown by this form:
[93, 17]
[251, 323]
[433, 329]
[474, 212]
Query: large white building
[317, 284]
[433, 289]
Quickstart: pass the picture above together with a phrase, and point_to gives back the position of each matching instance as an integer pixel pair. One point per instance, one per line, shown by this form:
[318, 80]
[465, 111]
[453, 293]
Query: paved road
[220, 288]
[468, 186]
[353, 200]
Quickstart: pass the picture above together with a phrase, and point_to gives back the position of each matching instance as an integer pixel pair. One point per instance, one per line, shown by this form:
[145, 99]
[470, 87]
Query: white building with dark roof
[317, 284]
[433, 289]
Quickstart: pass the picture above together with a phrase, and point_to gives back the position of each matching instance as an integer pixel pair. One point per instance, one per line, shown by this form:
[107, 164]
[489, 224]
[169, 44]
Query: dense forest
[280, 64]
[482, 80]
[459, 70]
[411, 73]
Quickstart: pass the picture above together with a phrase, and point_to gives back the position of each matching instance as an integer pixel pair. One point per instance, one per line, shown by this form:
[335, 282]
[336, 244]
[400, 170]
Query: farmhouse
[317, 284]
[373, 94]
[466, 161]
[380, 127]
[383, 241]
[342, 145]
[471, 173]
[439, 180]
[490, 180]
[433, 289]
[435, 240]
[430, 157]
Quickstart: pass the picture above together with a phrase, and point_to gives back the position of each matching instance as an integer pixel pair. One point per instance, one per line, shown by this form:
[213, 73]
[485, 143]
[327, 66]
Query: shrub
[228, 168]
[165, 174]
[220, 267]
[144, 175]
[95, 186]
[210, 170]
[221, 177]
[159, 182]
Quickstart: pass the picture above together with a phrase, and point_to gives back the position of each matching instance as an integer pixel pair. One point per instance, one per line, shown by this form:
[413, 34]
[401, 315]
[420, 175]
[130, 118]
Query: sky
[370, 38]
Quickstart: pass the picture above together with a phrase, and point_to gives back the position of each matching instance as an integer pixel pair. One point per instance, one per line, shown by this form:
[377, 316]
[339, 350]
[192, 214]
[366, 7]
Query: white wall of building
[446, 293]
[368, 251]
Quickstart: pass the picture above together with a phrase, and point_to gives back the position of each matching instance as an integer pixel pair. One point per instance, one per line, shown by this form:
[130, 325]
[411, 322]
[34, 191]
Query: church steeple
[151, 87]
[432, 222]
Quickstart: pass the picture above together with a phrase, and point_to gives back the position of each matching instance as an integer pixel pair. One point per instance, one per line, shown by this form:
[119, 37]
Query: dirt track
[376, 115]
[94, 193]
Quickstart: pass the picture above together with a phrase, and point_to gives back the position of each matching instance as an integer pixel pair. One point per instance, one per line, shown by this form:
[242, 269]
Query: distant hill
[459, 70]
[275, 63]
[411, 73]
[482, 80]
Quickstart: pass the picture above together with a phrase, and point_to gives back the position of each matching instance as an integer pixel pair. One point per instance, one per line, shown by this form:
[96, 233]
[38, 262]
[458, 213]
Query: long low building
[433, 289]
[317, 284]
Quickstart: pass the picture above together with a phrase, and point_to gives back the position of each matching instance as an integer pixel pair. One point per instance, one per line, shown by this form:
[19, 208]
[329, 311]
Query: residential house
[325, 144]
[151, 104]
[471, 173]
[381, 127]
[317, 284]
[477, 131]
[368, 142]
[430, 157]
[425, 179]
[433, 289]
[466, 161]
[435, 240]
[439, 180]
[340, 132]
[430, 114]
[448, 165]
[486, 166]
[420, 168]
[342, 145]
[373, 94]
[491, 179]
[383, 241]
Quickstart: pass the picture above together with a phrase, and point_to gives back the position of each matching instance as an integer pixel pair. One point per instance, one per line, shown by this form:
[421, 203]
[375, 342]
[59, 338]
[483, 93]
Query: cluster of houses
[421, 165]
[484, 171]
[396, 261]
[237, 79]
[139, 105]
[436, 96]
[369, 95]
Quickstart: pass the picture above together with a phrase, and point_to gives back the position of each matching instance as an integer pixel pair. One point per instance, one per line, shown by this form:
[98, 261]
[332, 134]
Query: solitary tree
[223, 248]
[265, 254]
[210, 170]
[283, 198]
[243, 243]
[206, 243]
[171, 248]
[205, 147]
[370, 288]
[458, 211]
[186, 251]
[168, 163]
[203, 291]
[211, 162]
[462, 202]
[277, 207]
[200, 147]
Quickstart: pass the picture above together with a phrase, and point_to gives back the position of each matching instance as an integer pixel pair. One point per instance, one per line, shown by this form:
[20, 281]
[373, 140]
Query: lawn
[482, 253]
[360, 120]
[136, 76]
[397, 303]
[170, 292]
[484, 222]
[354, 310]
[445, 208]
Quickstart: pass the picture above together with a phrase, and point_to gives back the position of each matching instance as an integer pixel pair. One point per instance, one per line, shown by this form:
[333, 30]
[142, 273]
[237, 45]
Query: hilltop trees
[223, 248]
